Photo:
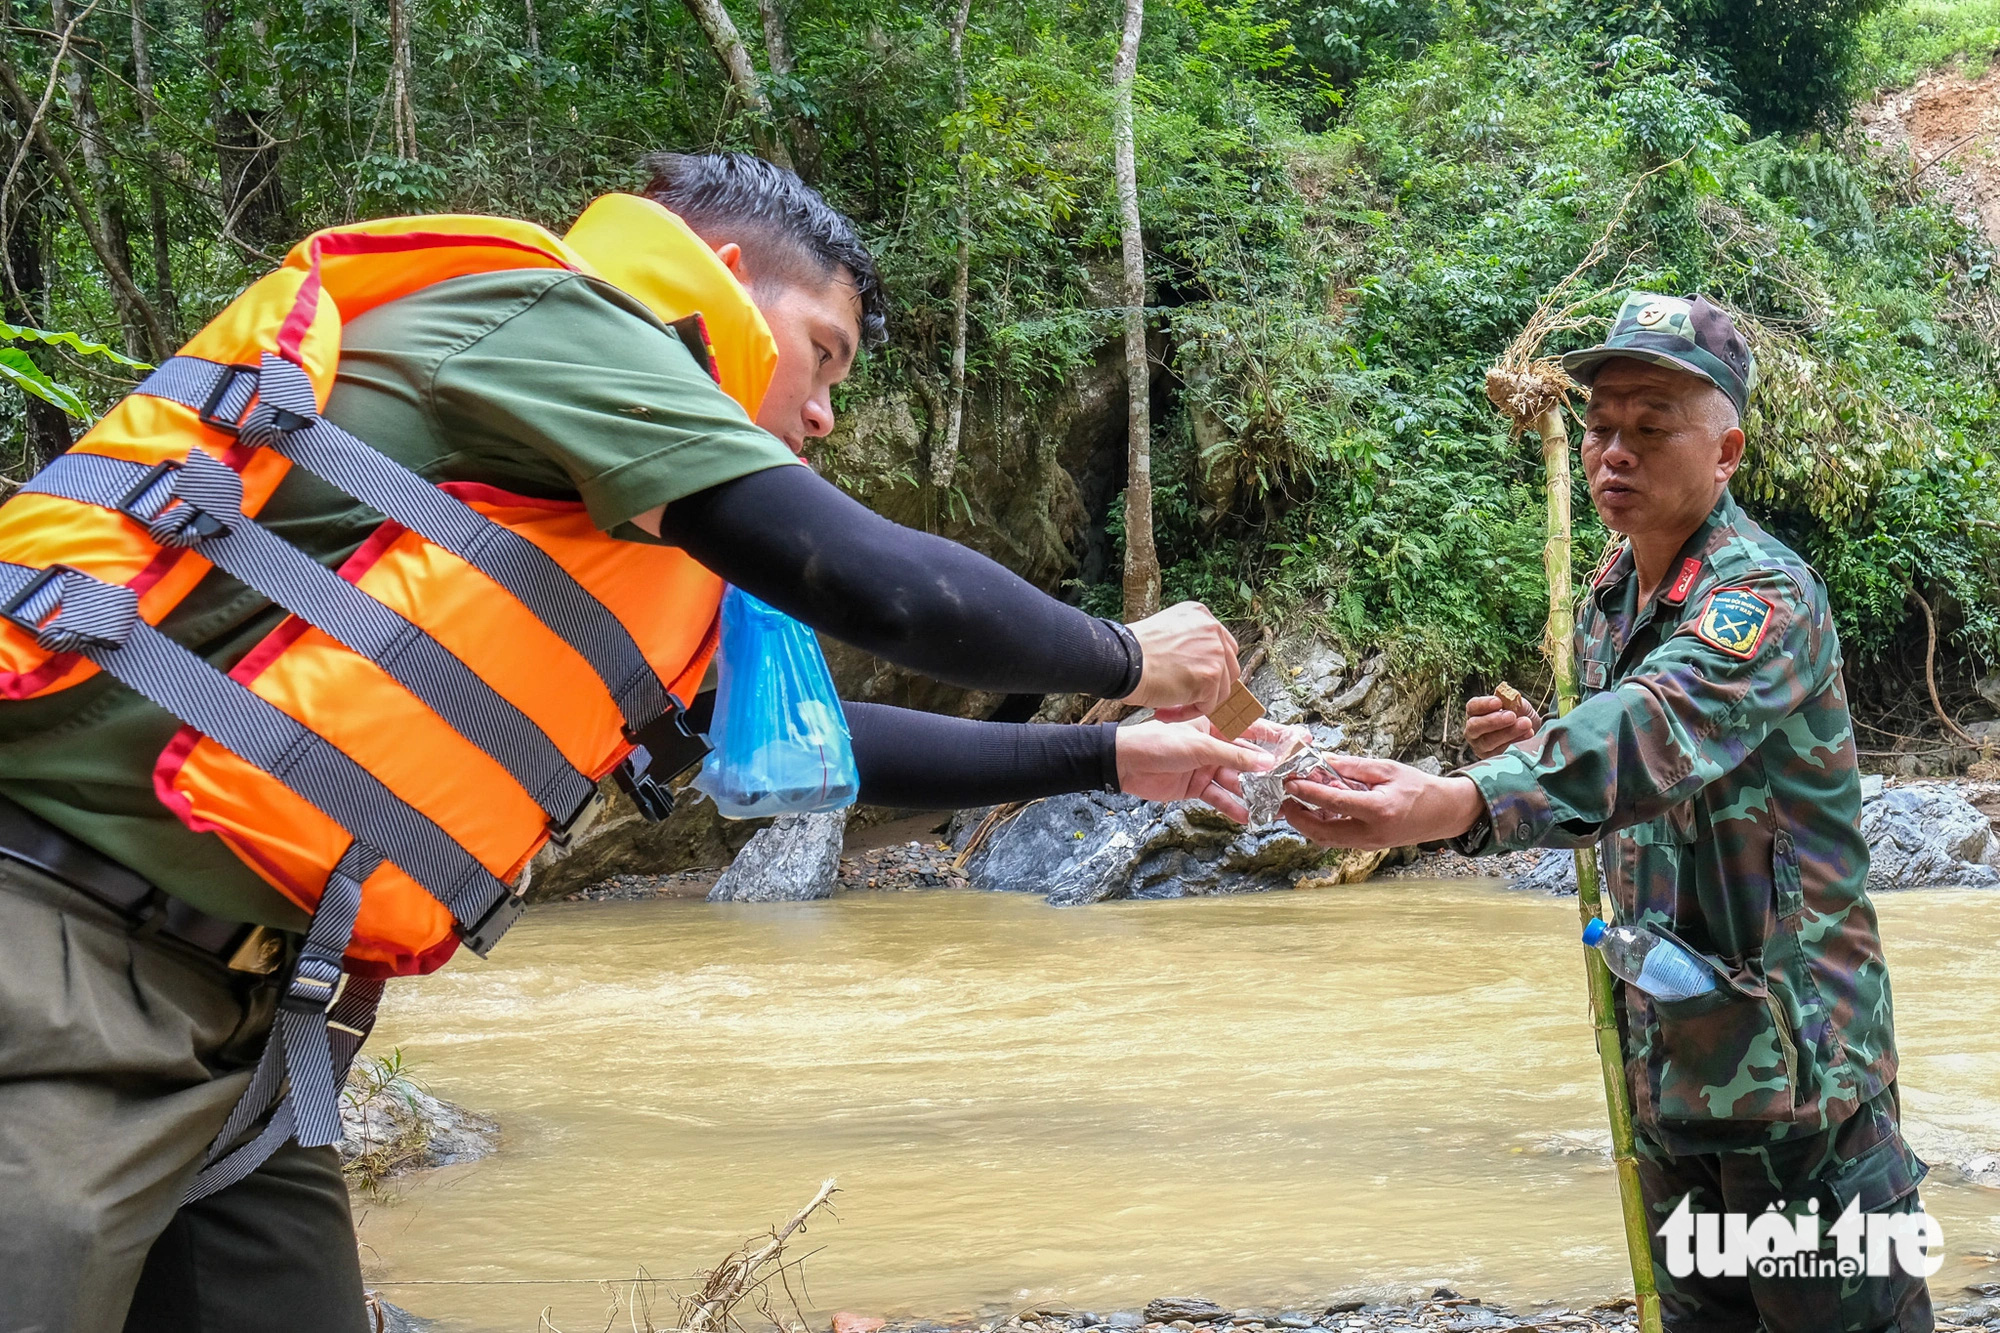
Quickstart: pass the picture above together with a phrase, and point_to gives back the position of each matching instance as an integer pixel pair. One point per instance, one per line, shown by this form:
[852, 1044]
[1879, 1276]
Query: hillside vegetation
[1349, 209]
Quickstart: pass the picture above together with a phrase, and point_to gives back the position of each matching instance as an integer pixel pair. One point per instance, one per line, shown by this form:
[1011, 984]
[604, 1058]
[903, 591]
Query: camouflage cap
[1684, 332]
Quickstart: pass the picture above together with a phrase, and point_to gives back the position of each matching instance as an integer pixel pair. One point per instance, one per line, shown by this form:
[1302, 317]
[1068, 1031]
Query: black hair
[727, 196]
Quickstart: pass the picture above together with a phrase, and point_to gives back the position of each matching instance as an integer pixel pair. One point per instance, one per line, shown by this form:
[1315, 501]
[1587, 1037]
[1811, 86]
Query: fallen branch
[726, 1286]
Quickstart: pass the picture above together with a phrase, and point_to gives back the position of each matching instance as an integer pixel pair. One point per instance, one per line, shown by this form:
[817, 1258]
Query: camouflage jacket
[1712, 763]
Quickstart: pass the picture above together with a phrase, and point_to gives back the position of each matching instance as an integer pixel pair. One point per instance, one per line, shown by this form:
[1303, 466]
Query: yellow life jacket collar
[647, 251]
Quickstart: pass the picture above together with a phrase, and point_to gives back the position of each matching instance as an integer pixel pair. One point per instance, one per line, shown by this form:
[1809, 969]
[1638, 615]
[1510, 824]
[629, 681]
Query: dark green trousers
[1863, 1158]
[119, 1060]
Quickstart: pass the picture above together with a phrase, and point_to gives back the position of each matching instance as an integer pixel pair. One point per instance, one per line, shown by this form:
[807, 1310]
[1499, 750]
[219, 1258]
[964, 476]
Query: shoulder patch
[1734, 620]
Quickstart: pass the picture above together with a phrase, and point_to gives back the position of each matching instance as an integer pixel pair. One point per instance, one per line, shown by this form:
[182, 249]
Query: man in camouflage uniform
[1711, 761]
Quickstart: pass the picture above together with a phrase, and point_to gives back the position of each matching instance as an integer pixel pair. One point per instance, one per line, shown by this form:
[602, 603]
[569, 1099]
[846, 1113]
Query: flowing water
[1265, 1099]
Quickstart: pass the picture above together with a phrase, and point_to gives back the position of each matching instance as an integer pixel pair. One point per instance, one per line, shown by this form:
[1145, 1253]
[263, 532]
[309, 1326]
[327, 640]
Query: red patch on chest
[1684, 581]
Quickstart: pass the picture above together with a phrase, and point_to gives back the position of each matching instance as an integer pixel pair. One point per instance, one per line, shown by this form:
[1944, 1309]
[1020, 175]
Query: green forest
[1349, 209]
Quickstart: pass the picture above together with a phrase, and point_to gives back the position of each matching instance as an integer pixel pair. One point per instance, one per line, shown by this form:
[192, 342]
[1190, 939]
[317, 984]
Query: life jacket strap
[199, 504]
[287, 419]
[323, 1017]
[71, 611]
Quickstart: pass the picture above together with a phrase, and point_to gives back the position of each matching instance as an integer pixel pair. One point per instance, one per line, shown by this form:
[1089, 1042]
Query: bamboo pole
[1560, 645]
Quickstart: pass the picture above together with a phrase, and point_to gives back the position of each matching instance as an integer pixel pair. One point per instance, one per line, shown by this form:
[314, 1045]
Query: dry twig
[736, 1278]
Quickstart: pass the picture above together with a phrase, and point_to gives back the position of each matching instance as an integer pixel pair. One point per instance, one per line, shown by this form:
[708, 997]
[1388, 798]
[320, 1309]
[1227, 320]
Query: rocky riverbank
[1443, 1310]
[1094, 846]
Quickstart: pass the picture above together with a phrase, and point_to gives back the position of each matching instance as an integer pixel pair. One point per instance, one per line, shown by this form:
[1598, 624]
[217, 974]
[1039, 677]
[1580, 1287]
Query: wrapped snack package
[1264, 794]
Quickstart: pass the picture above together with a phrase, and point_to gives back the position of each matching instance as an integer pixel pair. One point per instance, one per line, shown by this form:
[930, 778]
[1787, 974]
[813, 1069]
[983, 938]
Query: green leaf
[24, 374]
[75, 342]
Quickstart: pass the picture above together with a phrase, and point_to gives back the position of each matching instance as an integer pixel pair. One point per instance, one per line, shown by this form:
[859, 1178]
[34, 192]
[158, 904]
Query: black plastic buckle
[13, 610]
[313, 987]
[483, 934]
[223, 384]
[654, 798]
[562, 830]
[128, 502]
[202, 525]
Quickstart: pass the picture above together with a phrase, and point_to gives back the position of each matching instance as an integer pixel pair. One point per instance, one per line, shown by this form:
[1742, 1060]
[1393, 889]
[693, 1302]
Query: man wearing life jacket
[312, 643]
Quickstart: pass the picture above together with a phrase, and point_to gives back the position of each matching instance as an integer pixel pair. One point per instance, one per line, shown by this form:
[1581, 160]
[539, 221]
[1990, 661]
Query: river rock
[1306, 679]
[1927, 833]
[1554, 872]
[1191, 1308]
[390, 1126]
[1094, 846]
[794, 860]
[1920, 835]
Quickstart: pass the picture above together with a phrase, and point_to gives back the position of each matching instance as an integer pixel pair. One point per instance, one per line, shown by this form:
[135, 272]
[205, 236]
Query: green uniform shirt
[1712, 762]
[543, 383]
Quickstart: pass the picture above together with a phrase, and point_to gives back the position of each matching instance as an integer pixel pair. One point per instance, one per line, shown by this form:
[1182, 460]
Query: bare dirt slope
[1947, 121]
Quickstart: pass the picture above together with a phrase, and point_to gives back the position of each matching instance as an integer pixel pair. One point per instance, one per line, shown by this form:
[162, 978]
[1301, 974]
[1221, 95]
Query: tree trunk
[113, 264]
[1142, 560]
[402, 115]
[778, 54]
[156, 194]
[48, 425]
[255, 214]
[535, 51]
[734, 57]
[97, 167]
[961, 281]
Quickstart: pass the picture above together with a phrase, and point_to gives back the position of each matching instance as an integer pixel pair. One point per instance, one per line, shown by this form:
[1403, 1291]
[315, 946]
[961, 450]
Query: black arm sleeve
[794, 540]
[927, 762]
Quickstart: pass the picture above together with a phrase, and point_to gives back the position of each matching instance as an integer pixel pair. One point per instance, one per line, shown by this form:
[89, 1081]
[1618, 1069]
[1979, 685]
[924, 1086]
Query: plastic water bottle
[1653, 963]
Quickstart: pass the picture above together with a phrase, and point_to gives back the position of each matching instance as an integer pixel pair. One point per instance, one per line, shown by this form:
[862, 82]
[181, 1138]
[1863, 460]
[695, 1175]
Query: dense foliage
[1350, 208]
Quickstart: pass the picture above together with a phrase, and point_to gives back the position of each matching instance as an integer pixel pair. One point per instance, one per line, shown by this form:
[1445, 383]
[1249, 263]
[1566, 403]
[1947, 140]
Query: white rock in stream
[794, 860]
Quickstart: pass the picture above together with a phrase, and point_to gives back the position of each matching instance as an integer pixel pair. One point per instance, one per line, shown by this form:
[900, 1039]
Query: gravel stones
[1443, 1312]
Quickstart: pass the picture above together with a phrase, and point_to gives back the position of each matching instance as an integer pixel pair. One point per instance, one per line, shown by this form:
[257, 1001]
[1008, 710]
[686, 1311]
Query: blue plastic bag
[780, 740]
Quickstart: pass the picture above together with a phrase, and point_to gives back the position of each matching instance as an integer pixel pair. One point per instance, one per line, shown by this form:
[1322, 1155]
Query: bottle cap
[1593, 932]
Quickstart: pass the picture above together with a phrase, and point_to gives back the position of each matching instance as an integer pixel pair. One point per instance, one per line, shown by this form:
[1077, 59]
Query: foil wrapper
[1264, 793]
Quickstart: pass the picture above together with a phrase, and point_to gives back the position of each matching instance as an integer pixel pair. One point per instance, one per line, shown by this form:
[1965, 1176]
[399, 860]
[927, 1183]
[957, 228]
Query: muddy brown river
[1266, 1099]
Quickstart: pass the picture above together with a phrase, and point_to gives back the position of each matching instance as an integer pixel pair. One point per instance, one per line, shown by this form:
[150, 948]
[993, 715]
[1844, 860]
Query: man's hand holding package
[1394, 806]
[1178, 761]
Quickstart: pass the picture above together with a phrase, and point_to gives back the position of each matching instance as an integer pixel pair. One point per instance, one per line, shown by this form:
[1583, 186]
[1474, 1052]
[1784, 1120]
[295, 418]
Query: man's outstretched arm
[923, 761]
[796, 541]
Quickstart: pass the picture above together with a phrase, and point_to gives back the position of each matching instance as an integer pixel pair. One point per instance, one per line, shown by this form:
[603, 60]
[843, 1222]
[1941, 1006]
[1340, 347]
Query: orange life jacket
[432, 712]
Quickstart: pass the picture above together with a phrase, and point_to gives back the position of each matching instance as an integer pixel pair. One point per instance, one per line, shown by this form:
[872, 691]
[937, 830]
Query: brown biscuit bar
[1237, 712]
[1509, 696]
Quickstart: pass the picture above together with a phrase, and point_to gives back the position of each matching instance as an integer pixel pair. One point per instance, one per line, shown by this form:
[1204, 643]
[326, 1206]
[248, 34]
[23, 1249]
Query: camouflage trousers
[1863, 1158]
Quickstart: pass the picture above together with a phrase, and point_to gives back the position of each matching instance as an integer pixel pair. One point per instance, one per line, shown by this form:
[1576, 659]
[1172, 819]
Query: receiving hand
[1491, 726]
[1277, 737]
[1398, 807]
[1177, 761]
[1188, 663]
